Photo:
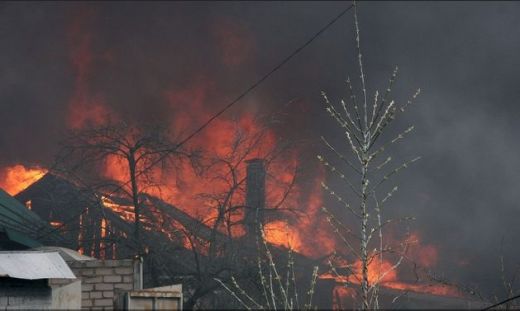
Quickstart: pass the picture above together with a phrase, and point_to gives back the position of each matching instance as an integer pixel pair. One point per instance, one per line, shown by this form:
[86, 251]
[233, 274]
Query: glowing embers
[56, 224]
[126, 212]
[281, 234]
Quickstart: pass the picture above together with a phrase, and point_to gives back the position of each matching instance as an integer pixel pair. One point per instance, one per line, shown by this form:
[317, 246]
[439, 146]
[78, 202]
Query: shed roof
[14, 214]
[18, 222]
[33, 265]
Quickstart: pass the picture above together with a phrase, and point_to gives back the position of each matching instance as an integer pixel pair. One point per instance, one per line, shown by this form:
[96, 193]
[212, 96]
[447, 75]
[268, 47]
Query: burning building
[178, 246]
[181, 248]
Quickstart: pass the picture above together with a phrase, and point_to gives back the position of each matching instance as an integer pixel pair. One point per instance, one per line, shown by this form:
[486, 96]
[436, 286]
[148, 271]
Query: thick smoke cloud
[147, 60]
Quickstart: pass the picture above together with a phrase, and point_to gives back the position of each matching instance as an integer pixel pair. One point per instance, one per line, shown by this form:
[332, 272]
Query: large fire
[386, 273]
[290, 234]
[14, 179]
[196, 193]
[227, 143]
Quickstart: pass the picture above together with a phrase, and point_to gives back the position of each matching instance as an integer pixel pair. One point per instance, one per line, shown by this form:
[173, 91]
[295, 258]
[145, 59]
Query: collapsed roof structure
[176, 243]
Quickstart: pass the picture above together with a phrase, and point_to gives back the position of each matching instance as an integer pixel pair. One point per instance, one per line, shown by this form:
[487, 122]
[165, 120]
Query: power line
[257, 83]
[502, 302]
[243, 94]
[232, 103]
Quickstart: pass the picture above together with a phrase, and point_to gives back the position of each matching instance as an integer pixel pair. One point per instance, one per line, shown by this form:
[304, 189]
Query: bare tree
[366, 177]
[220, 248]
[278, 285]
[134, 149]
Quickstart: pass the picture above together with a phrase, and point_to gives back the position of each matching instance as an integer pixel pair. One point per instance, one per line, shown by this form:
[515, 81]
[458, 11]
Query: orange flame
[16, 178]
[220, 142]
[387, 274]
[281, 234]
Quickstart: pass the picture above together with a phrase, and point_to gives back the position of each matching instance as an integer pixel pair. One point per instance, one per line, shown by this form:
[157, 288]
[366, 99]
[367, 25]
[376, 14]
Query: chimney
[255, 196]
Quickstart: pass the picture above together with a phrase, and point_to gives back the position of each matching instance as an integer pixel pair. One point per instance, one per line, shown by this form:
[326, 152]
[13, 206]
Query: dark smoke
[464, 56]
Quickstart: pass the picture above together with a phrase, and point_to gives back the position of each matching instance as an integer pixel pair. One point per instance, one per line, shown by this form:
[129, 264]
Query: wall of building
[67, 297]
[103, 280]
[24, 294]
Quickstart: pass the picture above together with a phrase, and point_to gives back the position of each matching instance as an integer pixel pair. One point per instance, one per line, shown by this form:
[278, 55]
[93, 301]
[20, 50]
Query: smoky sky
[463, 55]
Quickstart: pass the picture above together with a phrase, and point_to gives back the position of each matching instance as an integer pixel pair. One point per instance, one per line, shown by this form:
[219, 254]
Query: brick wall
[101, 280]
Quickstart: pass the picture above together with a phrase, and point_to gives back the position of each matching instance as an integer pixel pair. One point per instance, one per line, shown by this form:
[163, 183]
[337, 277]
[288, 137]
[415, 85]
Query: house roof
[20, 238]
[14, 215]
[17, 222]
[33, 265]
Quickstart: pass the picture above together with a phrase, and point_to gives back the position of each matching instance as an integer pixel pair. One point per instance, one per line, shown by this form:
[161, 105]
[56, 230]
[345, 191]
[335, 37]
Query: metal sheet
[34, 265]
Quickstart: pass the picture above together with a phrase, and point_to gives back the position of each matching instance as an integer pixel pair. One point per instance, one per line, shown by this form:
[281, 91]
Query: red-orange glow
[124, 211]
[219, 142]
[313, 227]
[434, 289]
[102, 244]
[382, 272]
[16, 178]
[386, 274]
[281, 234]
[116, 168]
[340, 294]
[85, 107]
[56, 224]
[425, 255]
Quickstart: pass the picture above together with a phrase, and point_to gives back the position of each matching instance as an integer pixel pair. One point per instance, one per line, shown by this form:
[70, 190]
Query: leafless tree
[364, 175]
[135, 150]
[222, 252]
[216, 250]
[278, 285]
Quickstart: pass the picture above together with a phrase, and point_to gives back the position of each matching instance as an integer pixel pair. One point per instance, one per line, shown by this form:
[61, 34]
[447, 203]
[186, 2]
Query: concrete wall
[67, 297]
[24, 294]
[103, 280]
[157, 298]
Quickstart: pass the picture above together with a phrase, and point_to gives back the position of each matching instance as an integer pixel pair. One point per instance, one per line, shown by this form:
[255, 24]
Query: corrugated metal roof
[31, 265]
[15, 212]
[20, 224]
[21, 238]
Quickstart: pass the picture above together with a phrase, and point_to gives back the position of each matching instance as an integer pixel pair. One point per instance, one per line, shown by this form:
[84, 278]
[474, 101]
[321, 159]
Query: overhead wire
[225, 108]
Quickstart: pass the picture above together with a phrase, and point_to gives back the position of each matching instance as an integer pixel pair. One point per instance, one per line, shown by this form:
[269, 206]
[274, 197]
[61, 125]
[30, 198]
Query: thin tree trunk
[135, 201]
[364, 238]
